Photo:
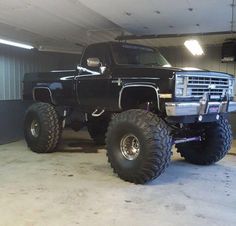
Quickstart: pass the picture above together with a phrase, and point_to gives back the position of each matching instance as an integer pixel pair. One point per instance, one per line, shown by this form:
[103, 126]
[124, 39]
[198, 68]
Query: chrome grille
[200, 92]
[207, 80]
[197, 86]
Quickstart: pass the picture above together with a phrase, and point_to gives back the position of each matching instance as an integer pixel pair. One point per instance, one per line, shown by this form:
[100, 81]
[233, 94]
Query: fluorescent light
[16, 44]
[194, 47]
[59, 50]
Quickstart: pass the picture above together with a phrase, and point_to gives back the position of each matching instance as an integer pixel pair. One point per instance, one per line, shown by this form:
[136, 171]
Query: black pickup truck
[130, 98]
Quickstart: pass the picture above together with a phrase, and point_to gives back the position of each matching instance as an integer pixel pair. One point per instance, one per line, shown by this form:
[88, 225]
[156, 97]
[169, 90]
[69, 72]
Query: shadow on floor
[79, 145]
[181, 171]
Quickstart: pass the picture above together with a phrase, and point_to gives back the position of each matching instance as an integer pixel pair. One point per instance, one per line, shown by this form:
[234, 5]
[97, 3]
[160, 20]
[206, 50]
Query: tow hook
[98, 113]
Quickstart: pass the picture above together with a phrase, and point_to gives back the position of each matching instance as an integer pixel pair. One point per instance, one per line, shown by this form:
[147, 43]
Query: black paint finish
[89, 89]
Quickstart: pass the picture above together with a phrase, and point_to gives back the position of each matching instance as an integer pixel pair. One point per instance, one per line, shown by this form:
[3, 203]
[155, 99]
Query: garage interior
[75, 185]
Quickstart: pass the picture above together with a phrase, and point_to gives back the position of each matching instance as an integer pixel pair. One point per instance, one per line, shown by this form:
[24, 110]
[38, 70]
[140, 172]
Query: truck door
[93, 86]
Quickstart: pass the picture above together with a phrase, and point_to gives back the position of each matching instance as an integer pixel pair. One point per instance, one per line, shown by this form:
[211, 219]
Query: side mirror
[93, 62]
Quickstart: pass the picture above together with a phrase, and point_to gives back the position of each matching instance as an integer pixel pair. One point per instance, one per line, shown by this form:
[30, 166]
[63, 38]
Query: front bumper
[199, 108]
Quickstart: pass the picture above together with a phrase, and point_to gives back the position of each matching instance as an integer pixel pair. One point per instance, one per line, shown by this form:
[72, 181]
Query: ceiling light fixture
[194, 47]
[59, 50]
[157, 12]
[128, 13]
[16, 44]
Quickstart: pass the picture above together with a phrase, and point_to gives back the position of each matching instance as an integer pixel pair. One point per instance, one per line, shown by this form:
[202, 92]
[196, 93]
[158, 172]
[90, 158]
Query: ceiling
[69, 25]
[166, 16]
[60, 24]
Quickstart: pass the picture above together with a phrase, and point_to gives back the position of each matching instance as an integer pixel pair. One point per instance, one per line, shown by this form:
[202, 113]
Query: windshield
[138, 55]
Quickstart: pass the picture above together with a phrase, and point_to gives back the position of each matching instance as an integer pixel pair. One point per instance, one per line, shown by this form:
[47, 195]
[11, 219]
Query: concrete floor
[76, 186]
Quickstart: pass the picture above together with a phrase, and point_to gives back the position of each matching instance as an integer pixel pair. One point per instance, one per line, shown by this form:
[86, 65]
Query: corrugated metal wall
[15, 62]
[181, 57]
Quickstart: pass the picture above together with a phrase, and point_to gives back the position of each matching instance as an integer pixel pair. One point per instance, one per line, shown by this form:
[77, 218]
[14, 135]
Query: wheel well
[43, 95]
[134, 97]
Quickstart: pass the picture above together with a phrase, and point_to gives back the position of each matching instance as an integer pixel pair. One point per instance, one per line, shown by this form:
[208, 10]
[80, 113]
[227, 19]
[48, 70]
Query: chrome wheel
[34, 128]
[130, 146]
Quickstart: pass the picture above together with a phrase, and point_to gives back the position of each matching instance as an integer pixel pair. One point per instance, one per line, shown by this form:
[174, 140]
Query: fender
[48, 91]
[135, 85]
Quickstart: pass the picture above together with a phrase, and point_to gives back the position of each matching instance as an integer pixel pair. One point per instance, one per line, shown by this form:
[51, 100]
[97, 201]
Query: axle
[185, 140]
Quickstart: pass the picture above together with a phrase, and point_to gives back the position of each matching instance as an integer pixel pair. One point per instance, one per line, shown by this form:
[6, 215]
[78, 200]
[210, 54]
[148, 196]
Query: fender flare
[134, 85]
[43, 88]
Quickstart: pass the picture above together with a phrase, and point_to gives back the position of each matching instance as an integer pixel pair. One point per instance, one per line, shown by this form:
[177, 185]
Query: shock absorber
[64, 118]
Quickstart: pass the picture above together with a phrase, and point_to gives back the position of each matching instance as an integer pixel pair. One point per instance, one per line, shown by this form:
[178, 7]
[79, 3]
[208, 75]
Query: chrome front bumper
[198, 108]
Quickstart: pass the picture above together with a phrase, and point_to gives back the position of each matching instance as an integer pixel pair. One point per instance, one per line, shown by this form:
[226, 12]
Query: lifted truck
[130, 98]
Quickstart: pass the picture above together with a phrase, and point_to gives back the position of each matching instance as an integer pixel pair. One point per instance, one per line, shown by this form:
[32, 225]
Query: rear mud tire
[42, 128]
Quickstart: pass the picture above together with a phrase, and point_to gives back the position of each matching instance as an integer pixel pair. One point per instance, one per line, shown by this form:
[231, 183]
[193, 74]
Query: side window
[100, 52]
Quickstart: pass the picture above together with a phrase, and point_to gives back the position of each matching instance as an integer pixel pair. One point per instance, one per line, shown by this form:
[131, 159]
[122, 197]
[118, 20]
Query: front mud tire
[154, 146]
[42, 128]
[217, 141]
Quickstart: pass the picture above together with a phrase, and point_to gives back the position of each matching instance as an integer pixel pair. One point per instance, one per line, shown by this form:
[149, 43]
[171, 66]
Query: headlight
[180, 80]
[179, 92]
[231, 87]
[230, 92]
[189, 92]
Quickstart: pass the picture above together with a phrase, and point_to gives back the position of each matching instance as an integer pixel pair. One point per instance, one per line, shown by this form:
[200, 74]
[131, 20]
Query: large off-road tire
[42, 128]
[138, 146]
[215, 144]
[97, 128]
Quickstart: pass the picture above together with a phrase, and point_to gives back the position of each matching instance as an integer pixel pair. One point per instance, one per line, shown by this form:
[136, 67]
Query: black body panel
[60, 84]
[88, 89]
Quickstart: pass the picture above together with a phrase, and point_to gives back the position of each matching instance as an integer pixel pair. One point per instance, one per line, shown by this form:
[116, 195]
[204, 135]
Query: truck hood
[148, 71]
